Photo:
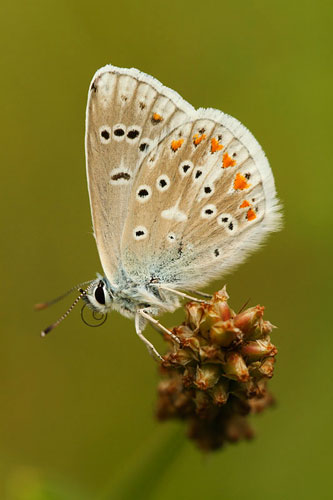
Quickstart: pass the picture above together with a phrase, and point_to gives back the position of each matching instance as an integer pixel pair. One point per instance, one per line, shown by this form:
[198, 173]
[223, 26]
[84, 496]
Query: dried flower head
[218, 375]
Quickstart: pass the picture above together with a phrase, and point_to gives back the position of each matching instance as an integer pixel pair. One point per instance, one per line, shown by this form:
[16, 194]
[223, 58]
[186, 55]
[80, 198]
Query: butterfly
[178, 196]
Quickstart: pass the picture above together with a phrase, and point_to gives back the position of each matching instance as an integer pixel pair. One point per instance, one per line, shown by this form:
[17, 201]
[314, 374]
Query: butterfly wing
[202, 200]
[128, 113]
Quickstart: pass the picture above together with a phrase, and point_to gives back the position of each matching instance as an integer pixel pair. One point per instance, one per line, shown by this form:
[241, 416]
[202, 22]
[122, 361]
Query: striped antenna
[64, 316]
[44, 305]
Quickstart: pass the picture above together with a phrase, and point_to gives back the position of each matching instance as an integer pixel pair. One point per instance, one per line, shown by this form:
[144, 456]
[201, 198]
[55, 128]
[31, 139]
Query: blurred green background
[76, 418]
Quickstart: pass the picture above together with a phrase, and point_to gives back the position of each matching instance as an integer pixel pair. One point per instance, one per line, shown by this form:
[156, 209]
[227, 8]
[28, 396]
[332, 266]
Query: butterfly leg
[151, 349]
[201, 294]
[181, 294]
[156, 323]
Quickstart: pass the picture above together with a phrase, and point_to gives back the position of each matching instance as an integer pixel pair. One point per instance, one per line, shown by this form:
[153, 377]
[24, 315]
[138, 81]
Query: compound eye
[99, 294]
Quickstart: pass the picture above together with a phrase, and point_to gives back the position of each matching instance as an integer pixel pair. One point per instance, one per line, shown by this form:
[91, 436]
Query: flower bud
[209, 319]
[248, 320]
[220, 392]
[221, 295]
[211, 354]
[263, 329]
[267, 367]
[235, 367]
[224, 333]
[256, 349]
[194, 314]
[182, 332]
[207, 376]
[179, 357]
[223, 310]
[192, 343]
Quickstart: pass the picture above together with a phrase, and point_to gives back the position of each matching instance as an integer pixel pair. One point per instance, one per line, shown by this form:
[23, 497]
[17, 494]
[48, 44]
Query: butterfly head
[99, 296]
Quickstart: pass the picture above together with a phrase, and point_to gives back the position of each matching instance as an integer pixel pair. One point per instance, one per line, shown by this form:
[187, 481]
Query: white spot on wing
[106, 85]
[126, 88]
[164, 107]
[145, 96]
[174, 213]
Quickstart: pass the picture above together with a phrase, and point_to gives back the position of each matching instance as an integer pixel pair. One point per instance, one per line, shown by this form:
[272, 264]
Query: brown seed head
[218, 374]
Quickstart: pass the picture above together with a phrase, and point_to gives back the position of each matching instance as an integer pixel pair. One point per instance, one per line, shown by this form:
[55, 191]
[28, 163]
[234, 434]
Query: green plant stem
[147, 467]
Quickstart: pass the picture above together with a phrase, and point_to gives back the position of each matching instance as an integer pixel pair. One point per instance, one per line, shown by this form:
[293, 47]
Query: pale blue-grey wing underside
[128, 114]
[202, 199]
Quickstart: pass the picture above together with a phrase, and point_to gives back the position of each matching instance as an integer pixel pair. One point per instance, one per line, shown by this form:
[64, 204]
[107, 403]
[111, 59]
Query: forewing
[203, 199]
[128, 113]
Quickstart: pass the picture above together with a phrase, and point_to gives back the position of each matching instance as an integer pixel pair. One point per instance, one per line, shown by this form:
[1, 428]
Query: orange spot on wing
[244, 204]
[215, 146]
[228, 161]
[176, 144]
[198, 138]
[251, 215]
[157, 117]
[240, 182]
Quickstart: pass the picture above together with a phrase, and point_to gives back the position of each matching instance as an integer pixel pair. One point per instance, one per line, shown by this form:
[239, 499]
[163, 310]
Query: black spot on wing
[121, 175]
[132, 134]
[119, 132]
[105, 134]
